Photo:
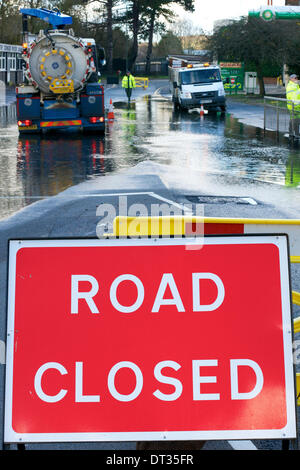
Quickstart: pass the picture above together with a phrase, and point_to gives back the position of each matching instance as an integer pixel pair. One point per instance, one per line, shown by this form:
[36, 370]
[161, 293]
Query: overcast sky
[208, 11]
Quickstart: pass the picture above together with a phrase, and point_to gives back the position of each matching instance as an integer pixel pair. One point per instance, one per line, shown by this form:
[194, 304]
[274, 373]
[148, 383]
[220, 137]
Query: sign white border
[288, 432]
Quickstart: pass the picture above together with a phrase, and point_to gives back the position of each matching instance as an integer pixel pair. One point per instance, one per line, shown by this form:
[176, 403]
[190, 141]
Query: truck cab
[196, 85]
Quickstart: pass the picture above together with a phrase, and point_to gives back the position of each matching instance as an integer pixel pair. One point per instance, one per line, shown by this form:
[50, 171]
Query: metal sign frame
[288, 432]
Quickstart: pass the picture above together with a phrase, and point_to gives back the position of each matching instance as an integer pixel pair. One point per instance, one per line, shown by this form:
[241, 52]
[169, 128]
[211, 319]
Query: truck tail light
[25, 122]
[95, 119]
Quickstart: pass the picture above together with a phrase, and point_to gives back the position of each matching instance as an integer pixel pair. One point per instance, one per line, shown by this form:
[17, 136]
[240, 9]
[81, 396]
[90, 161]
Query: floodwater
[34, 167]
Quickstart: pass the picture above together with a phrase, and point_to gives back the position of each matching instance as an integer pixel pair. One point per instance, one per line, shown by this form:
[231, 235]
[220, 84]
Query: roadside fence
[282, 116]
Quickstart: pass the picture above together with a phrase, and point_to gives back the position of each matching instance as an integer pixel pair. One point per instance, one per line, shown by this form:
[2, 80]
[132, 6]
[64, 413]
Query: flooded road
[33, 167]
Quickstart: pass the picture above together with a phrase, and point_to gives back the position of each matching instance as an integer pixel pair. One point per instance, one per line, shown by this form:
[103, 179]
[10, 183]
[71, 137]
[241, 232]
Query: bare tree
[190, 34]
[161, 9]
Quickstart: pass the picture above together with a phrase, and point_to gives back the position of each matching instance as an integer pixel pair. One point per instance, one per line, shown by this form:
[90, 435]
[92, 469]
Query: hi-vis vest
[293, 94]
[128, 81]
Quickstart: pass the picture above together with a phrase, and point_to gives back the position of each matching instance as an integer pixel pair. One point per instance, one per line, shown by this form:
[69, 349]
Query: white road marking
[242, 445]
[182, 207]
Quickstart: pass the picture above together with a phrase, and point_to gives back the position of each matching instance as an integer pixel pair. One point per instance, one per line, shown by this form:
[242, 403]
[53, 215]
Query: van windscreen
[200, 76]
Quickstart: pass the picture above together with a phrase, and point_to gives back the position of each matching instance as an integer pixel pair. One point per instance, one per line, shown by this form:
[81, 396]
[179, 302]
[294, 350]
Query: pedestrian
[128, 83]
[293, 94]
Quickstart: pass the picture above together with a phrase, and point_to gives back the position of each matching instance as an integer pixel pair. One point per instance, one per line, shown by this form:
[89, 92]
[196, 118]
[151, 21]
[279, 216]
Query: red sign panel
[149, 339]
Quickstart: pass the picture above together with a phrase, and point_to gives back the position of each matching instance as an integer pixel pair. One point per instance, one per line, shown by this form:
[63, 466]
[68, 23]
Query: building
[11, 72]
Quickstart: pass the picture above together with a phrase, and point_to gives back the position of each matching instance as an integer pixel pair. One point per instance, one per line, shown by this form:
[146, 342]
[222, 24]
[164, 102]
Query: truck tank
[57, 58]
[62, 89]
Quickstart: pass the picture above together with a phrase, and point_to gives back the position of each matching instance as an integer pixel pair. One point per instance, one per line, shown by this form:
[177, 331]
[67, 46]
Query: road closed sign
[150, 339]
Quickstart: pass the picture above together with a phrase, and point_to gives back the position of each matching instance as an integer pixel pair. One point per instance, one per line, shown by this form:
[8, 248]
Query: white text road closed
[177, 386]
[145, 339]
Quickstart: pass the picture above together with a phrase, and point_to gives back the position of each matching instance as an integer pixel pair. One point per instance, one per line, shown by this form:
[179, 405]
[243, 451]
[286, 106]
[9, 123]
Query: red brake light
[24, 123]
[95, 119]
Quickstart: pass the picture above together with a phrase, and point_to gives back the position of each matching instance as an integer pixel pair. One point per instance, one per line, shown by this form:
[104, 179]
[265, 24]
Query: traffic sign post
[152, 339]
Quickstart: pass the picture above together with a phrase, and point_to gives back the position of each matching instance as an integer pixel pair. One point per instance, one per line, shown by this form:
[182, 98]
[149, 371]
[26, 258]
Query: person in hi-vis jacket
[128, 83]
[293, 104]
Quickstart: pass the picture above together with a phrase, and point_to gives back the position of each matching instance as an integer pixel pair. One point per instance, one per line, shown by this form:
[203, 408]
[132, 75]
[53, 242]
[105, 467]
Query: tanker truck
[61, 88]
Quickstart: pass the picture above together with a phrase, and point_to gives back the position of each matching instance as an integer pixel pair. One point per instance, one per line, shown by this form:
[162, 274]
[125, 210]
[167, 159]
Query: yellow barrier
[124, 226]
[296, 324]
[141, 82]
[181, 225]
[296, 298]
[296, 301]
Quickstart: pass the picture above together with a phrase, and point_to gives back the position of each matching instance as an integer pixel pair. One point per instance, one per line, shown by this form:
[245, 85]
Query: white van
[196, 85]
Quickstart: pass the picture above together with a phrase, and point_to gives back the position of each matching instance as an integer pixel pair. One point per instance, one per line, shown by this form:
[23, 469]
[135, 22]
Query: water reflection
[292, 177]
[8, 114]
[214, 144]
[34, 167]
[48, 165]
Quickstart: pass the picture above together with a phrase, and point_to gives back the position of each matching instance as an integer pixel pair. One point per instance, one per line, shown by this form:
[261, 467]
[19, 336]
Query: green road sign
[233, 74]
